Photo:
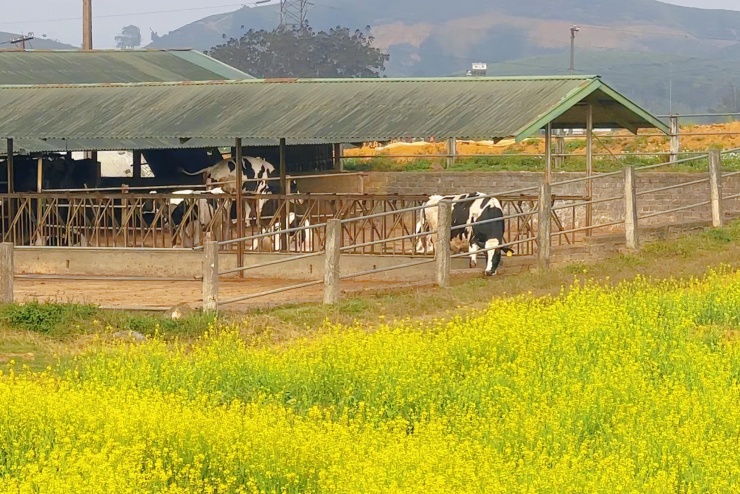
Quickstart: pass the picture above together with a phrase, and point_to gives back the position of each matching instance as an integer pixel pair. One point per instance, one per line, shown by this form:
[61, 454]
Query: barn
[62, 67]
[207, 115]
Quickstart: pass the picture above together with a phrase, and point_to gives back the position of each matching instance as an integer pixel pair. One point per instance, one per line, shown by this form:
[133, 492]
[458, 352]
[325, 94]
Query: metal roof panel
[328, 110]
[110, 66]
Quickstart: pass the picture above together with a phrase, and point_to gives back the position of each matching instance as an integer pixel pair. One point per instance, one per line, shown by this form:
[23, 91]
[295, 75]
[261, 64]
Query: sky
[62, 19]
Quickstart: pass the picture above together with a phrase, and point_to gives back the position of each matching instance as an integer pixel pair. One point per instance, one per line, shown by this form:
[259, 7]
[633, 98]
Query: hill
[36, 43]
[637, 42]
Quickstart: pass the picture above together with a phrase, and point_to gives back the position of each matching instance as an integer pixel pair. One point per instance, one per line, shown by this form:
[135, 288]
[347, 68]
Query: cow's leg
[473, 255]
[493, 257]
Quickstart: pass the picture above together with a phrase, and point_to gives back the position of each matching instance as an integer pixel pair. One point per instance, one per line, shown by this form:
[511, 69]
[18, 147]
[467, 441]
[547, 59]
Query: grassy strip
[514, 162]
[36, 332]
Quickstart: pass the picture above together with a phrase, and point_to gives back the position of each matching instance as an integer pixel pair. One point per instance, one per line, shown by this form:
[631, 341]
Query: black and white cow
[258, 177]
[474, 227]
[301, 239]
[190, 215]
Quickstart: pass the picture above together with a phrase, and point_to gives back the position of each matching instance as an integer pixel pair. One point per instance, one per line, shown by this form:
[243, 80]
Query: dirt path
[166, 294]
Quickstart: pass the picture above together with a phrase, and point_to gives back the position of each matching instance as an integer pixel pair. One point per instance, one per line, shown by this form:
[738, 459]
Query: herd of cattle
[477, 222]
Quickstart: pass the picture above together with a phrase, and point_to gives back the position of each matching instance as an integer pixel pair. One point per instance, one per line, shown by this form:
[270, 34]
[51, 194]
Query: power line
[151, 12]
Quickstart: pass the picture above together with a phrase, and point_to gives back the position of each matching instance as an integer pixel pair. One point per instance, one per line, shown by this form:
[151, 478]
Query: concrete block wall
[428, 183]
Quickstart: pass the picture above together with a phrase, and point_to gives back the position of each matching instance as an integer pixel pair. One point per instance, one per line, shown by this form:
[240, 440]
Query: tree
[304, 53]
[129, 38]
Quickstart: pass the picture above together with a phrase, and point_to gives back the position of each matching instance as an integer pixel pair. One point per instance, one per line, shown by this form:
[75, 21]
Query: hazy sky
[61, 19]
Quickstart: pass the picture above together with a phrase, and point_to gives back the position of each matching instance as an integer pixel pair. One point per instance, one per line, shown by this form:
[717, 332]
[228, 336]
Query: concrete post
[630, 208]
[544, 226]
[715, 187]
[210, 276]
[451, 152]
[442, 249]
[6, 273]
[675, 139]
[332, 289]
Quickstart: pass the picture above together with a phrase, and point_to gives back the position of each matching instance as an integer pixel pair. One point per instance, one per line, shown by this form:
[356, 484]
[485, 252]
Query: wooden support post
[40, 239]
[98, 168]
[137, 164]
[332, 291]
[11, 189]
[548, 153]
[715, 187]
[630, 208]
[544, 226]
[451, 152]
[39, 174]
[286, 191]
[6, 273]
[338, 157]
[589, 167]
[124, 216]
[11, 182]
[210, 275]
[442, 249]
[237, 157]
[559, 151]
[87, 38]
[675, 145]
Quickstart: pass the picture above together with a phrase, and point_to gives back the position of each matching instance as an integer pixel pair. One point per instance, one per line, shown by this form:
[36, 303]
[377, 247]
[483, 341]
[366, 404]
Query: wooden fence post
[675, 145]
[6, 273]
[210, 275]
[544, 226]
[630, 208]
[715, 187]
[333, 249]
[442, 249]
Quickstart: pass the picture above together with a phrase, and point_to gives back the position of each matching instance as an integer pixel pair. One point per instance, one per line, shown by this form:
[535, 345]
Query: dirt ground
[151, 295]
[695, 138]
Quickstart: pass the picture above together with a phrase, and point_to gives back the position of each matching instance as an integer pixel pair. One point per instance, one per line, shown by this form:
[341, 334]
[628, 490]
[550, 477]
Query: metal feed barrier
[535, 223]
[543, 237]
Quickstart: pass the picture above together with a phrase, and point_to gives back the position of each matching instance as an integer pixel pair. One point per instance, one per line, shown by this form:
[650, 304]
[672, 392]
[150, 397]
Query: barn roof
[111, 66]
[330, 110]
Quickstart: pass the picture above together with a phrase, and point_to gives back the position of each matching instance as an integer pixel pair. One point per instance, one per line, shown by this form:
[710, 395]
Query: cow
[487, 232]
[256, 172]
[189, 215]
[467, 234]
[303, 238]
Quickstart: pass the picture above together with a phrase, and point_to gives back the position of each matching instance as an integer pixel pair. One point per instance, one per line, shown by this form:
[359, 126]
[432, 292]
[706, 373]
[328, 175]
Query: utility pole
[87, 40]
[293, 13]
[21, 41]
[573, 31]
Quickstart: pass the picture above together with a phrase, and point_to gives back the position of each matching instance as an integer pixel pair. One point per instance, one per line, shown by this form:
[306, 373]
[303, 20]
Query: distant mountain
[665, 56]
[36, 43]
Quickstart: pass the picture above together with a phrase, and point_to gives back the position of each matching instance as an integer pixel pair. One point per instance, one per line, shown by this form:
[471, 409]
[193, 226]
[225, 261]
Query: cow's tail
[192, 174]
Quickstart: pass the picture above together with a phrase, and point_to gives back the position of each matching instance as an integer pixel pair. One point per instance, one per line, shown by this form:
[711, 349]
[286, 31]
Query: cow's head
[493, 258]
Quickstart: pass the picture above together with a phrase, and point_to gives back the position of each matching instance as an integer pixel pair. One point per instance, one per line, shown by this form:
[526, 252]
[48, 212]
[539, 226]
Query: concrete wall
[188, 264]
[427, 183]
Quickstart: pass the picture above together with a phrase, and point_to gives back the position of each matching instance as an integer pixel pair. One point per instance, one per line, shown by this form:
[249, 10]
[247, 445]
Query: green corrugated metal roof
[111, 66]
[338, 110]
[29, 146]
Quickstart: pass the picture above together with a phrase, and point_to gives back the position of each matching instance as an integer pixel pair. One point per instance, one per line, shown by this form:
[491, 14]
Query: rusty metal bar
[595, 201]
[674, 210]
[382, 270]
[272, 263]
[270, 292]
[675, 186]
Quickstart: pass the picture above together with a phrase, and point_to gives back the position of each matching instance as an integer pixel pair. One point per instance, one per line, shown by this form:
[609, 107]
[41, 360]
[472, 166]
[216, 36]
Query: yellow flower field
[627, 389]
